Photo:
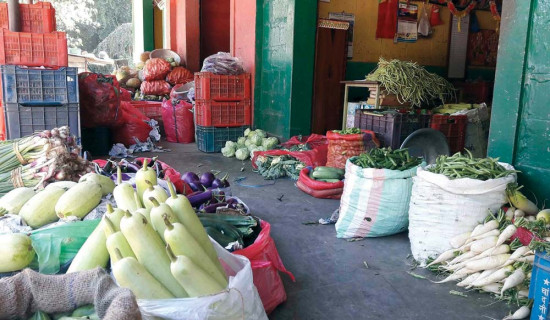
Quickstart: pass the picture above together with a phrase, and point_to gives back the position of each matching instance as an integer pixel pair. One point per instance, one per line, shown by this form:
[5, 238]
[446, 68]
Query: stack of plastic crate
[39, 91]
[222, 109]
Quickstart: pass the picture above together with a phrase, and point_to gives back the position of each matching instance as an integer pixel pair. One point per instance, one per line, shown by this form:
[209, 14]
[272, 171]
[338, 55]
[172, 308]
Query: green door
[520, 124]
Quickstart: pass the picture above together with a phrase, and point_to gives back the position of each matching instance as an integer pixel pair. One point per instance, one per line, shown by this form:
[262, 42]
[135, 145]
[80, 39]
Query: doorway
[214, 27]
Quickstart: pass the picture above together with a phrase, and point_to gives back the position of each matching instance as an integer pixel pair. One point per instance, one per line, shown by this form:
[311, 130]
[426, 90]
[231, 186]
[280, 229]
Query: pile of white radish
[486, 259]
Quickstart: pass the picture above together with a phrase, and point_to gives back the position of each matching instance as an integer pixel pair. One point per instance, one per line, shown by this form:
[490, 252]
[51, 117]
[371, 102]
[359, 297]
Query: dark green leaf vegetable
[460, 166]
[348, 131]
[274, 167]
[386, 158]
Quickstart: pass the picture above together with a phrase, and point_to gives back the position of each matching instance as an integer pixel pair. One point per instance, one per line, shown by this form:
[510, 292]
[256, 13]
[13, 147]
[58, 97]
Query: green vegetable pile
[348, 131]
[386, 158]
[410, 82]
[274, 167]
[460, 166]
[244, 147]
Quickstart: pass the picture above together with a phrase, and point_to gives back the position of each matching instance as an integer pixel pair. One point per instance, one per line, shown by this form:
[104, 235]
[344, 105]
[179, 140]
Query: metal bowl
[165, 54]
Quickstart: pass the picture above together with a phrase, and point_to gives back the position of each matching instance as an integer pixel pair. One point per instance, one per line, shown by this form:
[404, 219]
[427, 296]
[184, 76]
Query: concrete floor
[332, 281]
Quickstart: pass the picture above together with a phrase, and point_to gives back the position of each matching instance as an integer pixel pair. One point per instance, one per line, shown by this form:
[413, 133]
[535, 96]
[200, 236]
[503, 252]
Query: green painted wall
[284, 68]
[520, 125]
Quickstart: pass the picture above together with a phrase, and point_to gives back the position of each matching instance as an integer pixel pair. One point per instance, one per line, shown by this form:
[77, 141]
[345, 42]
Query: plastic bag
[266, 263]
[132, 123]
[222, 63]
[344, 146]
[156, 87]
[180, 75]
[58, 244]
[424, 27]
[240, 300]
[441, 208]
[178, 121]
[99, 99]
[375, 202]
[156, 69]
[319, 189]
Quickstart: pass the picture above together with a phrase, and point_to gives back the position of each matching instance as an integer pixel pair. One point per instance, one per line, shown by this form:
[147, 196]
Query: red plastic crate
[209, 86]
[34, 49]
[36, 18]
[211, 113]
[454, 128]
[151, 109]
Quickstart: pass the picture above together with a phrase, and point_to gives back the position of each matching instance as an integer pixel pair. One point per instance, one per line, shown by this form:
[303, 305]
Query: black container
[98, 141]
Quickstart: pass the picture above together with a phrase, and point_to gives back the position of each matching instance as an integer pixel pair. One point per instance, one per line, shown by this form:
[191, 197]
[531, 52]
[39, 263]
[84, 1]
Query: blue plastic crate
[212, 139]
[539, 288]
[33, 86]
[23, 120]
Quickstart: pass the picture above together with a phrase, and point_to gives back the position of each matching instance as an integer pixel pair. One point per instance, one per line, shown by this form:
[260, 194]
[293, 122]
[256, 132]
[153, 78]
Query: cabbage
[247, 132]
[242, 154]
[247, 143]
[270, 143]
[230, 144]
[228, 151]
[240, 146]
[257, 139]
[251, 148]
[241, 140]
[261, 133]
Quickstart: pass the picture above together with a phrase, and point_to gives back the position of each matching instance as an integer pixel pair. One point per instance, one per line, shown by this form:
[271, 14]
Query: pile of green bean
[386, 158]
[466, 166]
[348, 131]
[410, 82]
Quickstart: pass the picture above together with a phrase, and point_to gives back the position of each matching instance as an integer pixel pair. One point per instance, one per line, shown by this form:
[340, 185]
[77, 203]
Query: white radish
[531, 218]
[513, 280]
[483, 244]
[529, 275]
[460, 274]
[462, 257]
[491, 225]
[506, 234]
[523, 293]
[519, 213]
[469, 279]
[527, 259]
[494, 277]
[520, 313]
[458, 241]
[482, 276]
[492, 288]
[520, 252]
[487, 263]
[445, 256]
[491, 233]
[510, 213]
[503, 248]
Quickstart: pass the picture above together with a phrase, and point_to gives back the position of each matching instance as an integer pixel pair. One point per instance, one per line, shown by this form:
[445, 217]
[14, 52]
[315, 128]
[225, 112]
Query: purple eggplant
[225, 182]
[125, 177]
[212, 207]
[129, 166]
[207, 178]
[196, 186]
[189, 177]
[198, 199]
[232, 201]
[217, 183]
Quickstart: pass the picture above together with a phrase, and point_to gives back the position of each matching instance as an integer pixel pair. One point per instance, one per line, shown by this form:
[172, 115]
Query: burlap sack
[27, 292]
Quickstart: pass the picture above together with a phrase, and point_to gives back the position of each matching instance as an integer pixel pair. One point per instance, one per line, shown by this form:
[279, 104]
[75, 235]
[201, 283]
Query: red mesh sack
[131, 124]
[341, 147]
[156, 87]
[266, 263]
[180, 75]
[321, 194]
[99, 99]
[178, 121]
[314, 158]
[156, 69]
[125, 95]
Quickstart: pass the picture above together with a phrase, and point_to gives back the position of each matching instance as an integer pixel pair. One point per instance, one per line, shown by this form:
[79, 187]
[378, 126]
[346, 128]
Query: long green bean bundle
[410, 82]
[466, 166]
[386, 158]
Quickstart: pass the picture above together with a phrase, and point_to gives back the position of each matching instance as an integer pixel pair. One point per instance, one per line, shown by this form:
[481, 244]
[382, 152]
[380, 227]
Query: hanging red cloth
[387, 19]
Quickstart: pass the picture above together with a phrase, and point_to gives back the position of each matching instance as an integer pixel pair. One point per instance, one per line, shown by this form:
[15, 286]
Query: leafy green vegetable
[241, 140]
[230, 144]
[247, 132]
[228, 152]
[242, 154]
[386, 158]
[256, 139]
[274, 167]
[260, 133]
[270, 143]
[348, 131]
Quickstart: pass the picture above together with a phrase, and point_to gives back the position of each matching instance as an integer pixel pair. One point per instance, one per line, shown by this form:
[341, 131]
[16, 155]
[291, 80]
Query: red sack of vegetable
[125, 95]
[315, 157]
[156, 87]
[321, 194]
[132, 123]
[180, 75]
[341, 147]
[99, 99]
[178, 121]
[316, 184]
[177, 94]
[266, 263]
[156, 69]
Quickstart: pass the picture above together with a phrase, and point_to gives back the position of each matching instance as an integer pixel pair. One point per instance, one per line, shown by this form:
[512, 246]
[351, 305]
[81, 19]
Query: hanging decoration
[495, 14]
[435, 18]
[463, 13]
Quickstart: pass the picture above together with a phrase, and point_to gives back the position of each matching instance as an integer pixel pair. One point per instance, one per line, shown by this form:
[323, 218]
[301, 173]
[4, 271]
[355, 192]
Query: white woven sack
[240, 301]
[374, 203]
[441, 208]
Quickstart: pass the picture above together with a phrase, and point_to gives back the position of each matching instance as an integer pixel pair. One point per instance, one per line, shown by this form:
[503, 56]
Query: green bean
[466, 166]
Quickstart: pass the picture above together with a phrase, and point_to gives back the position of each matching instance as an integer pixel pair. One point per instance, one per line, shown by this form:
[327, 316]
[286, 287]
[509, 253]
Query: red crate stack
[36, 18]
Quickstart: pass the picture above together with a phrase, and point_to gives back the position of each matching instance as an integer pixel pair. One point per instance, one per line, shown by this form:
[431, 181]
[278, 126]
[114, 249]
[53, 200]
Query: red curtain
[387, 19]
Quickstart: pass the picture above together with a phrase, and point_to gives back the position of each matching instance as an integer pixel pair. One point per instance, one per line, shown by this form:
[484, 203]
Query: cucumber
[338, 170]
[330, 180]
[324, 174]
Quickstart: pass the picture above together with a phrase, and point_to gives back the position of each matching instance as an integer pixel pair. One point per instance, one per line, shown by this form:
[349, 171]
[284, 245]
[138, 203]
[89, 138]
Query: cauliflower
[270, 143]
[257, 139]
[242, 154]
[260, 133]
[247, 132]
[230, 144]
[228, 151]
[241, 140]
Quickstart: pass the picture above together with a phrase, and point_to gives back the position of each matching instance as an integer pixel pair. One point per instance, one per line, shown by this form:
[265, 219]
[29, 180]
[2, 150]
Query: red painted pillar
[185, 31]
[243, 36]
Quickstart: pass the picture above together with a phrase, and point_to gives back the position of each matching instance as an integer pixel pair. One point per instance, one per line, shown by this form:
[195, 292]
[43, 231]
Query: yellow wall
[159, 35]
[431, 51]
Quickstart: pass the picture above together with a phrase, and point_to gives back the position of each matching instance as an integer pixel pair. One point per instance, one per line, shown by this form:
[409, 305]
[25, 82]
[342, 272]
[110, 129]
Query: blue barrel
[539, 288]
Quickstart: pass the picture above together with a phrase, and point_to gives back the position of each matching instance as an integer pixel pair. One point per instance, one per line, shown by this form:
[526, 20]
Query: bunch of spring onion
[495, 257]
[410, 82]
[460, 166]
[48, 156]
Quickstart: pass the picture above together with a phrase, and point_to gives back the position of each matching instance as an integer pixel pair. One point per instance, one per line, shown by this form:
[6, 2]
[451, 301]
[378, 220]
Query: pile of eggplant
[110, 168]
[207, 181]
[208, 192]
